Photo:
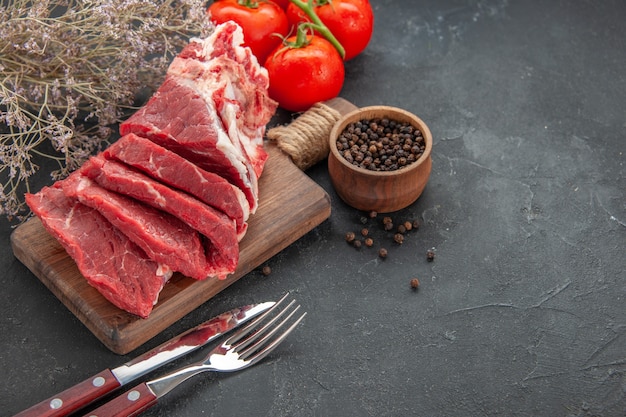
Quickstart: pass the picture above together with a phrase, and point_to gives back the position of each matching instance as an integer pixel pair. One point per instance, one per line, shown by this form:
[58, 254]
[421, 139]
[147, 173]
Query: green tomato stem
[250, 4]
[302, 34]
[316, 23]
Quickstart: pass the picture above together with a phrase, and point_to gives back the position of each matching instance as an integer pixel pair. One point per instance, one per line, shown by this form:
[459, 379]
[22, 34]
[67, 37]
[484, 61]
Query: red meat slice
[239, 86]
[222, 248]
[110, 262]
[177, 172]
[179, 119]
[212, 109]
[164, 238]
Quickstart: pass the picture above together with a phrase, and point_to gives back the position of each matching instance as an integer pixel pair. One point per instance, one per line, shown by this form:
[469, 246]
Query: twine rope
[306, 139]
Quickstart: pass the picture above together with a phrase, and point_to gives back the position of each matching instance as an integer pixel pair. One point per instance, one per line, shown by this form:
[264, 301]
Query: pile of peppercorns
[381, 144]
[364, 238]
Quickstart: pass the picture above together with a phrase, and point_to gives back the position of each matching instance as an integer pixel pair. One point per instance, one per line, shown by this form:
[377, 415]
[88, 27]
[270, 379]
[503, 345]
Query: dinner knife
[106, 381]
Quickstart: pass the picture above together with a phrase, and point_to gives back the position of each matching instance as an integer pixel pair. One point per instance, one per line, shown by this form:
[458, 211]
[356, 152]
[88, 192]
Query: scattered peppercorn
[369, 242]
[388, 226]
[266, 270]
[430, 255]
[365, 231]
[363, 219]
[398, 238]
[415, 283]
[416, 224]
[357, 243]
[381, 144]
[401, 229]
[408, 225]
[382, 253]
[373, 214]
[350, 236]
[387, 219]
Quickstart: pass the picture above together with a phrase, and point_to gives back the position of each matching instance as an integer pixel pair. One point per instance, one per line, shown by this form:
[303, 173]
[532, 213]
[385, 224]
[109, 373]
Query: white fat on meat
[227, 139]
[231, 80]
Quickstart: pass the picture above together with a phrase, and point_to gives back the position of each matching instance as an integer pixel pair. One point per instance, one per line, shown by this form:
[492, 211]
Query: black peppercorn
[266, 270]
[430, 255]
[365, 142]
[382, 253]
[350, 236]
[415, 283]
[398, 238]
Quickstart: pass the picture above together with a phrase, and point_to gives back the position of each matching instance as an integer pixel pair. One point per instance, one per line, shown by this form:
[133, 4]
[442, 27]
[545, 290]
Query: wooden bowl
[381, 191]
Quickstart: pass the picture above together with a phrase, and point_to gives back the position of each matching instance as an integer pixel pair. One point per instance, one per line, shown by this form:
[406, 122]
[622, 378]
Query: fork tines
[257, 339]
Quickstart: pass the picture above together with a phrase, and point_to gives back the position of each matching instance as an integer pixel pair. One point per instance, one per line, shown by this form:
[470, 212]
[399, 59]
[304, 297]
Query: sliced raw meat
[110, 262]
[176, 171]
[212, 109]
[163, 237]
[210, 115]
[234, 81]
[222, 250]
[179, 119]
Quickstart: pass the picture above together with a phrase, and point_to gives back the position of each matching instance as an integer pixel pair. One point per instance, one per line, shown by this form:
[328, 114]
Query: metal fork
[244, 348]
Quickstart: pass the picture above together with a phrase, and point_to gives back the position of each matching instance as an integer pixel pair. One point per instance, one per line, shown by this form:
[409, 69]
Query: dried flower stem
[71, 70]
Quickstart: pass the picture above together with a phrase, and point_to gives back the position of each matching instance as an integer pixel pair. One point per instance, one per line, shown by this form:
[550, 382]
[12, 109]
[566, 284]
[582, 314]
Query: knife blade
[106, 381]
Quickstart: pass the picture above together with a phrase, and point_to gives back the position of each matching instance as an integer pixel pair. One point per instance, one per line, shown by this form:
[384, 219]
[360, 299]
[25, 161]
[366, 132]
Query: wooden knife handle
[129, 404]
[74, 398]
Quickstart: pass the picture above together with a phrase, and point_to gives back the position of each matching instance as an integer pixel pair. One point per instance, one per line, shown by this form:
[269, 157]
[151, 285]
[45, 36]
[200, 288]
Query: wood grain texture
[290, 205]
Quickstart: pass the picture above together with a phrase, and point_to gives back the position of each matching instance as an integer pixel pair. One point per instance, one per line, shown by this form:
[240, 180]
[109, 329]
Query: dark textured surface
[522, 313]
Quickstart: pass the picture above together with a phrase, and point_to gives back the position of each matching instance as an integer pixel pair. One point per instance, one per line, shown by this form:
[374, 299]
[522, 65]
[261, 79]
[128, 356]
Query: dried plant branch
[71, 70]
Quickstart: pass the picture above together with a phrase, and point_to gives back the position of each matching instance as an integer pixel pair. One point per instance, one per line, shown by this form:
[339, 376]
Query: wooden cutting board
[290, 205]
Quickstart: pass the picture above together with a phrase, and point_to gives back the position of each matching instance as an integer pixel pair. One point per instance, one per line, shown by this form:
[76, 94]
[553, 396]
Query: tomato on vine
[304, 70]
[260, 21]
[350, 21]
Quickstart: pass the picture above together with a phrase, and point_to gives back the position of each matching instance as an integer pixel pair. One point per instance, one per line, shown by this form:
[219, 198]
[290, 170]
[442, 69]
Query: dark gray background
[522, 313]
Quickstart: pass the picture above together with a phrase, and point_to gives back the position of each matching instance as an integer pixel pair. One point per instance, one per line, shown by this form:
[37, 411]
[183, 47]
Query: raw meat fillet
[176, 171]
[164, 238]
[110, 262]
[222, 248]
[179, 119]
[212, 109]
[230, 75]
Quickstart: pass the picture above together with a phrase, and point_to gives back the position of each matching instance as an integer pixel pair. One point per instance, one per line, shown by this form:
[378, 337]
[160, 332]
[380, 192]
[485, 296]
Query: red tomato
[300, 77]
[260, 20]
[350, 21]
